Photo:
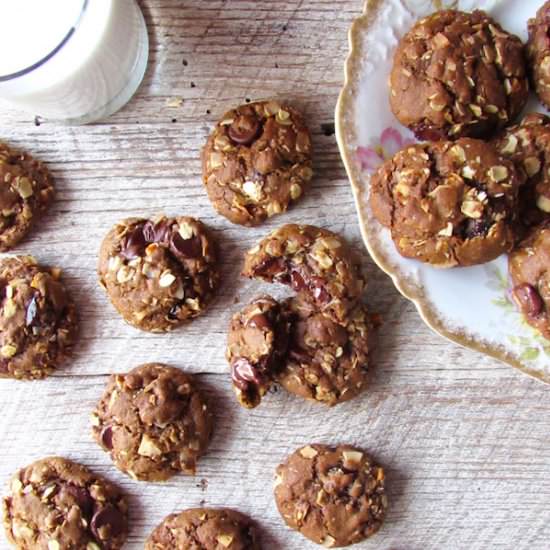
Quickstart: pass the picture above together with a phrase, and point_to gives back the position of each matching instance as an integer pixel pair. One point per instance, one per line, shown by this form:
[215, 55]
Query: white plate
[470, 306]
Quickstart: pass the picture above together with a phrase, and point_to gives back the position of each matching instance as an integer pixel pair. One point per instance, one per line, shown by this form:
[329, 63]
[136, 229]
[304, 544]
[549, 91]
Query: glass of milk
[71, 61]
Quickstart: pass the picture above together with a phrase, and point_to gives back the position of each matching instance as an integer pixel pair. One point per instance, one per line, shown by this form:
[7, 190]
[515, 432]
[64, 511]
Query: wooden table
[465, 439]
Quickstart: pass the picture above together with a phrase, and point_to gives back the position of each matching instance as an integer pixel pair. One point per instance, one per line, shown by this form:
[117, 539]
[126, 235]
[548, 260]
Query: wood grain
[465, 439]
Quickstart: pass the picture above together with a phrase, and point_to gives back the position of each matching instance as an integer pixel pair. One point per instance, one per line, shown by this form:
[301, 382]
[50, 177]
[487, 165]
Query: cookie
[205, 529]
[538, 53]
[256, 345]
[448, 203]
[315, 262]
[334, 496]
[528, 145]
[159, 273]
[153, 421]
[38, 320]
[529, 266]
[257, 161]
[458, 74]
[327, 362]
[57, 504]
[27, 189]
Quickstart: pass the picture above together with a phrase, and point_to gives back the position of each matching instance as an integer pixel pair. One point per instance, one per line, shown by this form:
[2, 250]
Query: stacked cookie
[314, 344]
[479, 186]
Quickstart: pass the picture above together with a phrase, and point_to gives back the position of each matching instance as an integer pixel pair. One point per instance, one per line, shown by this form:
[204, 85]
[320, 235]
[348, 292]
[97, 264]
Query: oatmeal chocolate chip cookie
[538, 52]
[153, 421]
[159, 273]
[26, 191]
[327, 361]
[56, 504]
[334, 496]
[38, 320]
[458, 74]
[256, 345]
[528, 145]
[448, 203]
[205, 529]
[529, 266]
[315, 262]
[257, 161]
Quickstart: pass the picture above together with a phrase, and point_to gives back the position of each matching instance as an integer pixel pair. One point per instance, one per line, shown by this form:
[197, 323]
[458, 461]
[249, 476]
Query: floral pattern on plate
[470, 306]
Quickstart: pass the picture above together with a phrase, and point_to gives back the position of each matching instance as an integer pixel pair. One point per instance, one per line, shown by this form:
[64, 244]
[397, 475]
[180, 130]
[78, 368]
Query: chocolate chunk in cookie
[257, 161]
[528, 145]
[334, 496]
[458, 74]
[26, 191]
[153, 421]
[448, 203]
[327, 361]
[38, 320]
[529, 266]
[538, 53]
[256, 345]
[205, 528]
[315, 262]
[159, 273]
[56, 504]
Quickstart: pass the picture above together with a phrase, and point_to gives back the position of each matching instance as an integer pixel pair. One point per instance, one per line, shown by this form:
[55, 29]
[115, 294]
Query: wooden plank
[465, 439]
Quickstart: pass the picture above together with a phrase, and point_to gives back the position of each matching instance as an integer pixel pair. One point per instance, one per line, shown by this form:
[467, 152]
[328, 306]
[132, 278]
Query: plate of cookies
[443, 128]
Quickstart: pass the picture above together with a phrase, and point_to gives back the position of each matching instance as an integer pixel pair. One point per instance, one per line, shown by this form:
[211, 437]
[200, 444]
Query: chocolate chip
[107, 437]
[427, 133]
[258, 321]
[156, 233]
[244, 130]
[528, 299]
[297, 281]
[173, 313]
[243, 373]
[32, 311]
[270, 267]
[476, 228]
[134, 245]
[81, 496]
[189, 248]
[110, 519]
[317, 287]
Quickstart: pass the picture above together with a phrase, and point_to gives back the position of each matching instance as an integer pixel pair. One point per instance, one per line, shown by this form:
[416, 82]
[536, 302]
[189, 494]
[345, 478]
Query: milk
[73, 61]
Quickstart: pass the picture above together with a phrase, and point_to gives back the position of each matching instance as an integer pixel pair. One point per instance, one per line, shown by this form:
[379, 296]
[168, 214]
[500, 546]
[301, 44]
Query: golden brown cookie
[448, 203]
[334, 496]
[159, 273]
[205, 529]
[26, 191]
[538, 52]
[458, 74]
[57, 504]
[153, 421]
[529, 266]
[257, 161]
[38, 320]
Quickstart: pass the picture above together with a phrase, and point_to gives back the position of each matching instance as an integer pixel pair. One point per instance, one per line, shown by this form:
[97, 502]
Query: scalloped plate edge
[408, 289]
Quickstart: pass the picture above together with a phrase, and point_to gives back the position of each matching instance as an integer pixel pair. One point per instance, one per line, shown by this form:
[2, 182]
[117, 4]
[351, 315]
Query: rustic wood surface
[465, 439]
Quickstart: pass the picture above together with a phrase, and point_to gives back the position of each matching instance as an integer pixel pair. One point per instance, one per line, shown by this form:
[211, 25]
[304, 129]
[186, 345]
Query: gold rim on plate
[407, 288]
